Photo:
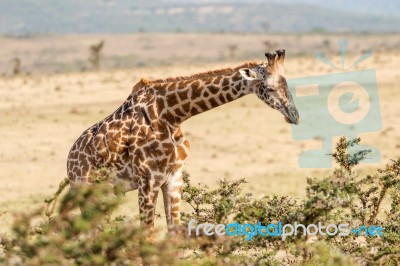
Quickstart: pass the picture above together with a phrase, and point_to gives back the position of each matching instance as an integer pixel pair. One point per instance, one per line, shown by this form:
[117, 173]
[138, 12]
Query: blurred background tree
[95, 54]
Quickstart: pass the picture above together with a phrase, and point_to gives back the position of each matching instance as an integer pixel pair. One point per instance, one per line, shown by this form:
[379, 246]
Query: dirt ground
[42, 114]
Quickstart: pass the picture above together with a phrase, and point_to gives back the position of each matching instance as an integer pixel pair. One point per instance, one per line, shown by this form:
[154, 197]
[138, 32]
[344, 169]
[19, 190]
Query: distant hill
[30, 17]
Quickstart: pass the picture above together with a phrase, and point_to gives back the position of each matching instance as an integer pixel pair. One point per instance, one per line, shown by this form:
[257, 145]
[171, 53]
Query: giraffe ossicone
[142, 142]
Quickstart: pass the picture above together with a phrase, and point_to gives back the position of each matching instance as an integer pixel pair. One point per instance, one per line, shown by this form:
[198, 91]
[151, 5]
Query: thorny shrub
[95, 238]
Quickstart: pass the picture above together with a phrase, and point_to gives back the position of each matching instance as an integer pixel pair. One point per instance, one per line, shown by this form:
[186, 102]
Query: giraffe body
[142, 143]
[144, 155]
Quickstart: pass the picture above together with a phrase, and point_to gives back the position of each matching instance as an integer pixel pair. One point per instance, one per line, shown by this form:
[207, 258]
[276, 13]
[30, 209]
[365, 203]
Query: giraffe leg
[167, 205]
[172, 191]
[147, 205]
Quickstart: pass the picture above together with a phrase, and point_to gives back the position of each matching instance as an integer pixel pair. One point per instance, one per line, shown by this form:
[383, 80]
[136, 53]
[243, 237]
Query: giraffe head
[269, 84]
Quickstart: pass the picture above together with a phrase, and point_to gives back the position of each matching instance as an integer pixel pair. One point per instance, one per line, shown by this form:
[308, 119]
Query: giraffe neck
[177, 101]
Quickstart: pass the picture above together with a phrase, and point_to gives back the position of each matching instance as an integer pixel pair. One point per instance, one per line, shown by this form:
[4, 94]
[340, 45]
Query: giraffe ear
[248, 74]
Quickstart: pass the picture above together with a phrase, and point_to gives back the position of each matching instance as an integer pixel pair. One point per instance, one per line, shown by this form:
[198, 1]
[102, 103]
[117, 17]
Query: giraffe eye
[269, 88]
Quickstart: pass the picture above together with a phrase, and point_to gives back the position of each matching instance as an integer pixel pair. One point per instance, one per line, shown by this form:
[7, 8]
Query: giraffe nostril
[292, 116]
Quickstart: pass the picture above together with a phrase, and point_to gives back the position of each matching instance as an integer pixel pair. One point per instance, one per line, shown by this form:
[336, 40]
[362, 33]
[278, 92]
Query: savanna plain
[57, 95]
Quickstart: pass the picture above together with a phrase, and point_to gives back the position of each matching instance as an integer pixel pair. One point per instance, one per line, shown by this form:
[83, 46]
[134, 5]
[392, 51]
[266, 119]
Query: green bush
[94, 238]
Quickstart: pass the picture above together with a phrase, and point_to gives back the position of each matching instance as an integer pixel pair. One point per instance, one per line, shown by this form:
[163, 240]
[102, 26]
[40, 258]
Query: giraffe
[143, 144]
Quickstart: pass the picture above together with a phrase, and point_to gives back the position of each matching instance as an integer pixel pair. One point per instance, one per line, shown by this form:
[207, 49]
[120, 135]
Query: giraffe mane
[210, 73]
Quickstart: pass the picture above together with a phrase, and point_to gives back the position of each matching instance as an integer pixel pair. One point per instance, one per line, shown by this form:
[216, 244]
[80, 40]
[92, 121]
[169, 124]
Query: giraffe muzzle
[292, 116]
